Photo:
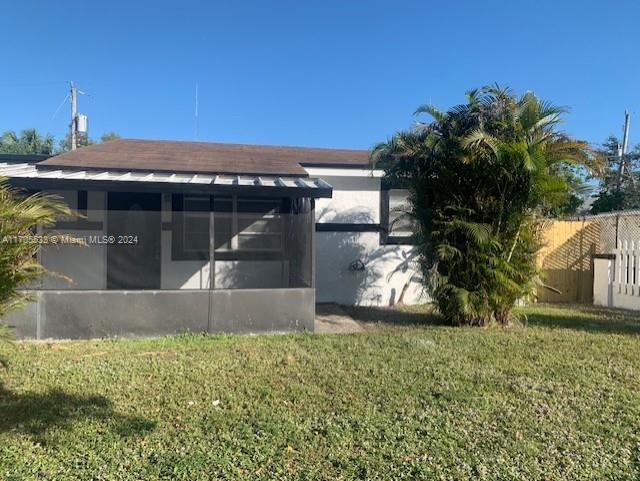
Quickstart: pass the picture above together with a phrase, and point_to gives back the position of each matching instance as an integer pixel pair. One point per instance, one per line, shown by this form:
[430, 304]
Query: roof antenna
[196, 115]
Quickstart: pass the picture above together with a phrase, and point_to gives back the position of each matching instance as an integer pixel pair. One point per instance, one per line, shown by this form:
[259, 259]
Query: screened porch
[179, 241]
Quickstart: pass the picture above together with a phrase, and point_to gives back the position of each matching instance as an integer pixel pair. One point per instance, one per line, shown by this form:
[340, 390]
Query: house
[176, 236]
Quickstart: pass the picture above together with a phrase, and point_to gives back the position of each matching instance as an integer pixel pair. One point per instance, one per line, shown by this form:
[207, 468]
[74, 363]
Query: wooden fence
[567, 260]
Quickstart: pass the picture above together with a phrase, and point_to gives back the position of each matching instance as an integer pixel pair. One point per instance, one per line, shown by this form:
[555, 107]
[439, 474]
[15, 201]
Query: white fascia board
[343, 172]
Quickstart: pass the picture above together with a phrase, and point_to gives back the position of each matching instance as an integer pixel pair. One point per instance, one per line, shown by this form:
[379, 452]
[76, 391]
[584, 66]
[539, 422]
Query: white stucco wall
[251, 274]
[228, 274]
[388, 269]
[182, 274]
[75, 266]
[355, 200]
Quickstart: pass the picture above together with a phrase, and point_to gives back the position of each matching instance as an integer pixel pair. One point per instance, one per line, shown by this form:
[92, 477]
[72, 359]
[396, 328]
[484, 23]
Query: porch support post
[212, 263]
[312, 221]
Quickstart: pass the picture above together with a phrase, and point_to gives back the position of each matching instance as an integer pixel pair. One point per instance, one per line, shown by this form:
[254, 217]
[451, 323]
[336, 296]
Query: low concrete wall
[263, 310]
[95, 314]
[25, 321]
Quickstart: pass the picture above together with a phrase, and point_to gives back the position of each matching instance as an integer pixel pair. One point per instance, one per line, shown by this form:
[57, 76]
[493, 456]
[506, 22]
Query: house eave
[27, 176]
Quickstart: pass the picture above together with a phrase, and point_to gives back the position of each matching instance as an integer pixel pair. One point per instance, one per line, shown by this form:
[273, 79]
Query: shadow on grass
[35, 413]
[584, 318]
[403, 316]
[565, 316]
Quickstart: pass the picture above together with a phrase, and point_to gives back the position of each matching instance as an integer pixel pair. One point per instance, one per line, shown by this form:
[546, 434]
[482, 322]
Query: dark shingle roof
[205, 157]
[23, 158]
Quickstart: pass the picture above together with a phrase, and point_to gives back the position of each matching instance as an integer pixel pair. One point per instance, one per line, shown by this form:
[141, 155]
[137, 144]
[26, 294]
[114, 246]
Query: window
[248, 225]
[190, 227]
[223, 224]
[396, 227]
[399, 223]
[195, 231]
[243, 227]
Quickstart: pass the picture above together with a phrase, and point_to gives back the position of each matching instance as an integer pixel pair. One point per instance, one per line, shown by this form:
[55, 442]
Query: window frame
[179, 252]
[386, 237]
[178, 231]
[237, 216]
[200, 214]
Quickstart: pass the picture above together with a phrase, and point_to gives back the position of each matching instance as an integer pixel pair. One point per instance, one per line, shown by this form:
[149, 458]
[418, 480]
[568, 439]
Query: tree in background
[83, 140]
[28, 142]
[617, 192]
[106, 137]
[480, 177]
[31, 142]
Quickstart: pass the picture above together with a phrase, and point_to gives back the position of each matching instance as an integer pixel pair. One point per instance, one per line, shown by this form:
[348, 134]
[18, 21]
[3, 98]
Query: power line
[59, 106]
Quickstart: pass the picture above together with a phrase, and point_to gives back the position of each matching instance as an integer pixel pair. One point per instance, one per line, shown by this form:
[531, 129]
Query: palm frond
[478, 233]
[431, 110]
[477, 138]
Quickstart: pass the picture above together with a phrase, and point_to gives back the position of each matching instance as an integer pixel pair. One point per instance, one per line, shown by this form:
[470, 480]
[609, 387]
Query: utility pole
[622, 149]
[625, 137]
[74, 117]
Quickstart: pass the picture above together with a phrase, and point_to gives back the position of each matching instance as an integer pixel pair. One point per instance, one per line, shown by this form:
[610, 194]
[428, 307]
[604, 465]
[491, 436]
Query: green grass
[410, 399]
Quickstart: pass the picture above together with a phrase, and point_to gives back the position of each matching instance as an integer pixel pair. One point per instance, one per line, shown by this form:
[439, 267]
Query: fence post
[619, 265]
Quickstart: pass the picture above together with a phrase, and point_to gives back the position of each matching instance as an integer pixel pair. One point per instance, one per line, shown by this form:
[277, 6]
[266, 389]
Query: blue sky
[326, 73]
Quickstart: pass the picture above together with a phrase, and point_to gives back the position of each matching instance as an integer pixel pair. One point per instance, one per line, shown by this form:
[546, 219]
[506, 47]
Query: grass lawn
[409, 399]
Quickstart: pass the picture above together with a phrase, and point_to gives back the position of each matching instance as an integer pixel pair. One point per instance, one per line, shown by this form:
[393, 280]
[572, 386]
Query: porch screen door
[133, 253]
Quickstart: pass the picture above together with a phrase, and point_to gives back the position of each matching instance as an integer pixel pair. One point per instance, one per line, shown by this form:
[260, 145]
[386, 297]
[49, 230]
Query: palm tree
[28, 142]
[480, 176]
[19, 217]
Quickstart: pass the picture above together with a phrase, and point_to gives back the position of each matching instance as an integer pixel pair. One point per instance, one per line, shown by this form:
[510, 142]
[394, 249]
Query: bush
[19, 217]
[481, 177]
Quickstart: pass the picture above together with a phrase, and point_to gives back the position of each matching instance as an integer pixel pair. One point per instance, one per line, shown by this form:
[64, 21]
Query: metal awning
[28, 175]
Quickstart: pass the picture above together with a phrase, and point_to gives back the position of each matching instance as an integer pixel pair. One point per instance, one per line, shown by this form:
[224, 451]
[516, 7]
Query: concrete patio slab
[333, 319]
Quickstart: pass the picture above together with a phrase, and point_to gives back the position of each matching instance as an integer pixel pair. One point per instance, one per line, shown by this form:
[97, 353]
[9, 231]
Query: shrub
[19, 217]
[481, 177]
